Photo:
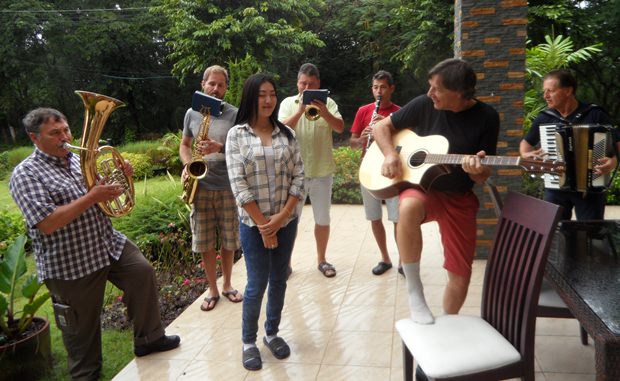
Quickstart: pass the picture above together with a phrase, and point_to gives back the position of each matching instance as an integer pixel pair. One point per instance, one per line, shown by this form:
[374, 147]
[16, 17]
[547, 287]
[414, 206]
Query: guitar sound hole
[417, 159]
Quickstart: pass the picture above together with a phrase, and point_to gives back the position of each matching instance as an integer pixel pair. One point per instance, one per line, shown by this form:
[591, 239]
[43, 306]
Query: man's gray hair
[39, 116]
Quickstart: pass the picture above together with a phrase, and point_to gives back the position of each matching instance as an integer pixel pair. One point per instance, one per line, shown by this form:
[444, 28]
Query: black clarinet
[374, 113]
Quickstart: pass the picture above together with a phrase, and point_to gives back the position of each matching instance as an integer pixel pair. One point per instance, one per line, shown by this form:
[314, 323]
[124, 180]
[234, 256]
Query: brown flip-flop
[231, 294]
[209, 307]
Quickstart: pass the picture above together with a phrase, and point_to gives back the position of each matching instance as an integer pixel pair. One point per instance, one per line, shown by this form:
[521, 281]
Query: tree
[56, 47]
[585, 22]
[206, 32]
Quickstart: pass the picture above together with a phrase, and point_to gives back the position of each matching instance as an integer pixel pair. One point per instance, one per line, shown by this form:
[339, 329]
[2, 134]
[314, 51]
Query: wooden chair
[550, 305]
[499, 344]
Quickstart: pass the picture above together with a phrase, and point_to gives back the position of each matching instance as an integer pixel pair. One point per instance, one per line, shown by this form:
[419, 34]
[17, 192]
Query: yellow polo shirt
[315, 138]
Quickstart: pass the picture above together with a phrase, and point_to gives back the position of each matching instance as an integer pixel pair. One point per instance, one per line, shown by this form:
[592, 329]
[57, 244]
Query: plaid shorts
[214, 213]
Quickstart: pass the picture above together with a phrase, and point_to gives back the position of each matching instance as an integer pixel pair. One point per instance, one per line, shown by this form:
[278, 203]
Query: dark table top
[586, 254]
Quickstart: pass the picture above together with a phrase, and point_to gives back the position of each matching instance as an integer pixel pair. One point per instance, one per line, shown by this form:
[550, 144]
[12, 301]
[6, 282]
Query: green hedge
[346, 188]
[12, 225]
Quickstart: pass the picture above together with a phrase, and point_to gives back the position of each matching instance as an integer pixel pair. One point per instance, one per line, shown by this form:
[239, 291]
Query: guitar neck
[457, 159]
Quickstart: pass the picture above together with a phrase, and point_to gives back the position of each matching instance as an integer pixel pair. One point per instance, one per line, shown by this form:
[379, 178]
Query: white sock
[270, 337]
[420, 313]
[248, 346]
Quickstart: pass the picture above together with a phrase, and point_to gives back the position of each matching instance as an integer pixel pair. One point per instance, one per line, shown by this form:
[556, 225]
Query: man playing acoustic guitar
[471, 128]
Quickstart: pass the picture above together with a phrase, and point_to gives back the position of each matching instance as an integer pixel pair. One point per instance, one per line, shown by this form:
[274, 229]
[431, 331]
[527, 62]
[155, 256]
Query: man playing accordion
[559, 87]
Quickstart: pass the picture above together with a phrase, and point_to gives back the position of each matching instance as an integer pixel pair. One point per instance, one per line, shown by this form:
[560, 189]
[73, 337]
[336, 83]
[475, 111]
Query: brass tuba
[98, 108]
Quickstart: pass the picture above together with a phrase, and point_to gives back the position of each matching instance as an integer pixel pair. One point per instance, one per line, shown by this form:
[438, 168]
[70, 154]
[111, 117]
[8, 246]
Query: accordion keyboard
[548, 143]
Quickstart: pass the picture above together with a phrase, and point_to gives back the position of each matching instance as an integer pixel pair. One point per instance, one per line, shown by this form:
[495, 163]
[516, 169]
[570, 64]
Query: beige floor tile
[307, 347]
[225, 345]
[308, 316]
[284, 372]
[348, 373]
[341, 328]
[359, 348]
[365, 318]
[378, 291]
[200, 370]
[561, 354]
[558, 327]
[569, 377]
[152, 369]
[193, 340]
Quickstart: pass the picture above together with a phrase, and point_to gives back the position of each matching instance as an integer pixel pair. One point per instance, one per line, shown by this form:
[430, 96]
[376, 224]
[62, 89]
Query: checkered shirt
[245, 158]
[40, 184]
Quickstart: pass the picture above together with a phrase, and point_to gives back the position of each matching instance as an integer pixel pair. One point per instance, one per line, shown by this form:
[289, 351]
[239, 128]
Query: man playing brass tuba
[214, 213]
[77, 250]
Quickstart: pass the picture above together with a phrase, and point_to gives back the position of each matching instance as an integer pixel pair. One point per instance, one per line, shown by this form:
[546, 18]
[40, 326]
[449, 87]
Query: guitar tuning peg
[533, 176]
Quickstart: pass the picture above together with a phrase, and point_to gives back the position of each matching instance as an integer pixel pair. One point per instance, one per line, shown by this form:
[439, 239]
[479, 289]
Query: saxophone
[196, 169]
[97, 109]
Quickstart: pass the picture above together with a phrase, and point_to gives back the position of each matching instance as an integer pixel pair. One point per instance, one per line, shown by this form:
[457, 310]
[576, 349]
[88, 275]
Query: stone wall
[491, 36]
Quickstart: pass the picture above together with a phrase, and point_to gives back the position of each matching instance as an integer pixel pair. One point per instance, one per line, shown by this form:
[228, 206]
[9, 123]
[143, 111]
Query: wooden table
[584, 268]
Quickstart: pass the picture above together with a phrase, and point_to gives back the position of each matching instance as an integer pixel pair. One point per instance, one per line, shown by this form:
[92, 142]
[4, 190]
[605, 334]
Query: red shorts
[456, 216]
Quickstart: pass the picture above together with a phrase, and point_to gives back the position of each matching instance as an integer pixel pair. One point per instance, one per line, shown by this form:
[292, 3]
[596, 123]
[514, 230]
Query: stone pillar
[491, 36]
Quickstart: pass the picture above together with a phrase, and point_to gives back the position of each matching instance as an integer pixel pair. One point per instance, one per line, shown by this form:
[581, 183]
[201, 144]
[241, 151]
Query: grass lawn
[6, 201]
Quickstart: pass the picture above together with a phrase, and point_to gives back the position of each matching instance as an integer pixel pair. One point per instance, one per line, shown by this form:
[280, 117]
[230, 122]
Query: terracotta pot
[28, 358]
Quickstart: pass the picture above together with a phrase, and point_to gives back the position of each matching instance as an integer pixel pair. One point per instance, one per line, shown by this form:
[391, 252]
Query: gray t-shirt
[217, 175]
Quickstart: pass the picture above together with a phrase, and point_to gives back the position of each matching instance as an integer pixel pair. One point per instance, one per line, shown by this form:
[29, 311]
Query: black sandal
[251, 359]
[327, 269]
[278, 347]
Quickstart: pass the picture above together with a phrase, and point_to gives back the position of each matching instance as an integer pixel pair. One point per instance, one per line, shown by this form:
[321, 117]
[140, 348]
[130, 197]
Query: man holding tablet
[315, 139]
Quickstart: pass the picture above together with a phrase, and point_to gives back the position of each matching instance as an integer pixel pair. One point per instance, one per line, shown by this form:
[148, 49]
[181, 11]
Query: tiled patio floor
[340, 328]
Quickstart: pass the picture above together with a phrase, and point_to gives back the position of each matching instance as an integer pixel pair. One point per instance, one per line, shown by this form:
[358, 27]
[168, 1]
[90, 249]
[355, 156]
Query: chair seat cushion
[456, 345]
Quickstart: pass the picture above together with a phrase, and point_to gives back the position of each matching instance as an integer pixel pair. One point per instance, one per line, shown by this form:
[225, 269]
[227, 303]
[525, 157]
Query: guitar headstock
[554, 167]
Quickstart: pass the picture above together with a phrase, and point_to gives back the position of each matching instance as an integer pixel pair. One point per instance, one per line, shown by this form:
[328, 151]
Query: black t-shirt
[584, 114]
[468, 132]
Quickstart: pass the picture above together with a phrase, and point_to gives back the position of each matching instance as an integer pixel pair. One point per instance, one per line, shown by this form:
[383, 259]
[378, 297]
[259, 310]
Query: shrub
[140, 162]
[346, 189]
[12, 225]
[153, 214]
[16, 155]
[613, 193]
[4, 165]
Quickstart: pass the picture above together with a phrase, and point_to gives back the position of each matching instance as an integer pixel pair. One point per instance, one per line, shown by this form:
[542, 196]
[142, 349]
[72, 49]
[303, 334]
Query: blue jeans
[265, 266]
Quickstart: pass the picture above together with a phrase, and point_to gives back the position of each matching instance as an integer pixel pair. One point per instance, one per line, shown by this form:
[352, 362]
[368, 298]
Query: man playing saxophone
[77, 250]
[214, 212]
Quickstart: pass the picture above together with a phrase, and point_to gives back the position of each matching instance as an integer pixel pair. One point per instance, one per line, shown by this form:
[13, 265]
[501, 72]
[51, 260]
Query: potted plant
[25, 345]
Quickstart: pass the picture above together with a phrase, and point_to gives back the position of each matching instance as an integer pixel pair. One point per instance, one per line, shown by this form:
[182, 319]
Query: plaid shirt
[39, 185]
[245, 158]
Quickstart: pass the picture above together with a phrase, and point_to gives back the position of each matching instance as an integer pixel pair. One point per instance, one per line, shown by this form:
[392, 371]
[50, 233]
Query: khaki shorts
[213, 213]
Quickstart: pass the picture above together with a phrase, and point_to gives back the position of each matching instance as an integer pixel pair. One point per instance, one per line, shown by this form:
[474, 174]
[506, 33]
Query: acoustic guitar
[424, 159]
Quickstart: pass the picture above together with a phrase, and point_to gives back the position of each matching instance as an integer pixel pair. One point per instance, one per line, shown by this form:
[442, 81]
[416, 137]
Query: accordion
[580, 146]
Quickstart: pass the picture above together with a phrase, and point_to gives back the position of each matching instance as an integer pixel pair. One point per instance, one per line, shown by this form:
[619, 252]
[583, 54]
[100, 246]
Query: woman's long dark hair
[248, 109]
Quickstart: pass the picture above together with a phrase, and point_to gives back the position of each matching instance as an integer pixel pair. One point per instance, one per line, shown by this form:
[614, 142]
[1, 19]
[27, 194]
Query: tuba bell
[97, 109]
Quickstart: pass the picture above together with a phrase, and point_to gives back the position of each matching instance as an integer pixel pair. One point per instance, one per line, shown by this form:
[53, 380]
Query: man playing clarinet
[361, 137]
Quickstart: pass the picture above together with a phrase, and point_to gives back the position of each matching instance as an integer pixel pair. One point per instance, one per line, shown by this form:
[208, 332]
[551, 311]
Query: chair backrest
[515, 268]
[498, 204]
